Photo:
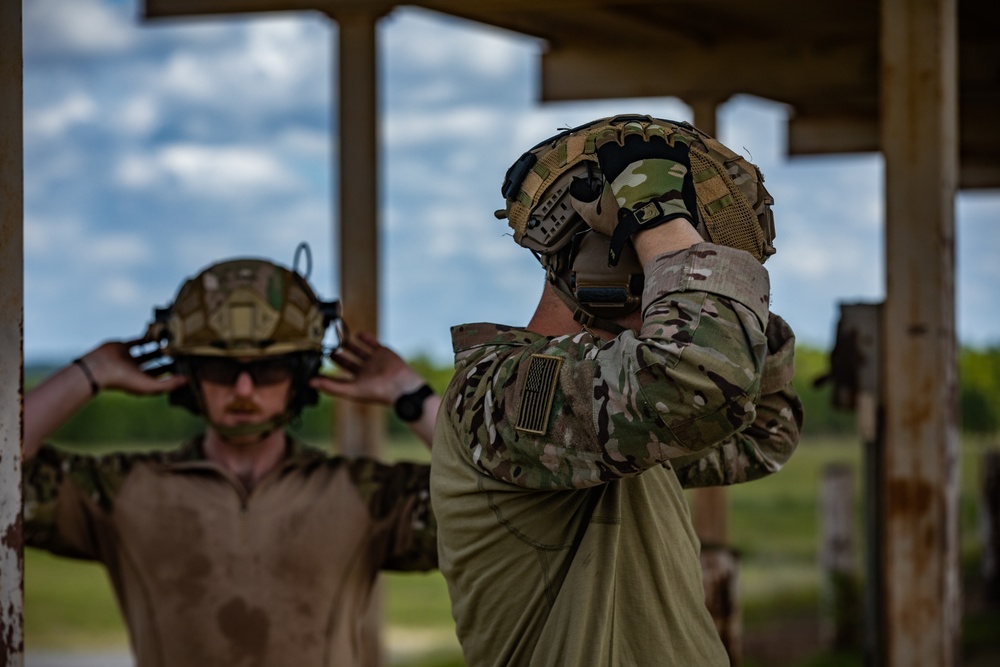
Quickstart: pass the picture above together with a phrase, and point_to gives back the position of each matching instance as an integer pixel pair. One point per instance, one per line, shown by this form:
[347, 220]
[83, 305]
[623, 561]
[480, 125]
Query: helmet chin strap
[264, 428]
[579, 314]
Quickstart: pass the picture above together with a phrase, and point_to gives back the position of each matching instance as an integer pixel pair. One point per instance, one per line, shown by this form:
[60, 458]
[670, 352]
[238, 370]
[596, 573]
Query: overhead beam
[591, 72]
[919, 485]
[183, 8]
[823, 134]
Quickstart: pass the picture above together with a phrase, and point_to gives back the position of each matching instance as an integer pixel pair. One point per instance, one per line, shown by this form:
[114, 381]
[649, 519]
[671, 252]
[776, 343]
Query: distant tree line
[114, 418]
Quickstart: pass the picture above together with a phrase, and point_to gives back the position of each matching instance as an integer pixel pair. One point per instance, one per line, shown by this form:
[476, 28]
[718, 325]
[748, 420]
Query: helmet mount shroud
[246, 308]
[733, 209]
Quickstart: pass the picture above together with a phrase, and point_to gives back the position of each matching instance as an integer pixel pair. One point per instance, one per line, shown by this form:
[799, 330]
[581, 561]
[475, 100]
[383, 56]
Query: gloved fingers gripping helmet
[246, 307]
[734, 208]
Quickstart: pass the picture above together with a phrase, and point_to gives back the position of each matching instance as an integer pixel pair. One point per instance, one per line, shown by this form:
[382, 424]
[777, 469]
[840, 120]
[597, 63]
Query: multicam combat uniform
[557, 475]
[208, 574]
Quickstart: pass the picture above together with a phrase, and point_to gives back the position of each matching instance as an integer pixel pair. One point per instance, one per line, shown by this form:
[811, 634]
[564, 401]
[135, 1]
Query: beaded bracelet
[94, 388]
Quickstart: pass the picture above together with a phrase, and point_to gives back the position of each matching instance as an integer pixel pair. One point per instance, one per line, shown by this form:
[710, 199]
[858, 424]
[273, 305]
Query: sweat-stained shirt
[564, 534]
[206, 573]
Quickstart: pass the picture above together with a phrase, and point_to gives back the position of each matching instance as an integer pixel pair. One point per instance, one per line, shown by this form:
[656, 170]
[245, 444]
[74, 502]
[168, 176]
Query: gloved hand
[647, 181]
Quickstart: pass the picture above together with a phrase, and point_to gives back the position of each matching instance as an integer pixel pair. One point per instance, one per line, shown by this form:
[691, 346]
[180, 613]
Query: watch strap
[410, 407]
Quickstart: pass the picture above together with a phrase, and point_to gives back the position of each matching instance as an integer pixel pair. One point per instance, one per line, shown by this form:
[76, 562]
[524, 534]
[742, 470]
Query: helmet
[246, 307]
[733, 207]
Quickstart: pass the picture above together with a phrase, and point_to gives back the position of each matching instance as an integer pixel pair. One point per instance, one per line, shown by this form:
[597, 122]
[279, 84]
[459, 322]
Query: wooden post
[990, 522]
[360, 427]
[720, 575]
[840, 594]
[919, 486]
[11, 337]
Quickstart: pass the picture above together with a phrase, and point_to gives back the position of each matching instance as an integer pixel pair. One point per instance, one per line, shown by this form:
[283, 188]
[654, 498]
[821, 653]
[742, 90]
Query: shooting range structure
[917, 80]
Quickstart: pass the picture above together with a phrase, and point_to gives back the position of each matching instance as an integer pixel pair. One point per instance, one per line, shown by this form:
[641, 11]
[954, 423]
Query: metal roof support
[919, 138]
[11, 336]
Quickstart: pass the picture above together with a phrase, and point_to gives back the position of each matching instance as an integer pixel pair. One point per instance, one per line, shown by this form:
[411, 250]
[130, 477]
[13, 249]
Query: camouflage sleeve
[566, 413]
[65, 494]
[398, 498]
[764, 446]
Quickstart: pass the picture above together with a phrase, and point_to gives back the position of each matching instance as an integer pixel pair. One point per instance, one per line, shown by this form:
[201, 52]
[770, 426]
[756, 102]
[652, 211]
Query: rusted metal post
[919, 485]
[840, 594]
[990, 522]
[11, 337]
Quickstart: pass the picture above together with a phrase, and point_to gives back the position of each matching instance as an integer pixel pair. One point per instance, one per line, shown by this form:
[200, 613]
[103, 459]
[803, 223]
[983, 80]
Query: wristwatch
[410, 407]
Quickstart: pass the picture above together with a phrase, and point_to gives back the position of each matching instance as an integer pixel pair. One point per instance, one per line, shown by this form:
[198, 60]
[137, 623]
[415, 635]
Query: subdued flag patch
[537, 394]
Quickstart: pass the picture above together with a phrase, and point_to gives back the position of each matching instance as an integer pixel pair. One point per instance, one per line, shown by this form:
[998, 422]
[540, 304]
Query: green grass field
[773, 524]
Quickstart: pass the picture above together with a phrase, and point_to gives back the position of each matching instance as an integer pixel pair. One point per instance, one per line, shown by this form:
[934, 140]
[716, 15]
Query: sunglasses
[221, 370]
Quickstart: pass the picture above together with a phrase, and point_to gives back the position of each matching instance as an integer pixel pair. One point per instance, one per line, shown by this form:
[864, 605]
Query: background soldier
[242, 547]
[564, 534]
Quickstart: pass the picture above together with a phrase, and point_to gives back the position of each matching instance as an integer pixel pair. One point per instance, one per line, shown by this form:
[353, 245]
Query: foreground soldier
[558, 465]
[242, 547]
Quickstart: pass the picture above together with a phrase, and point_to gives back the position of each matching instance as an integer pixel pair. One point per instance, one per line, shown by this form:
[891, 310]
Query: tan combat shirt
[564, 533]
[207, 574]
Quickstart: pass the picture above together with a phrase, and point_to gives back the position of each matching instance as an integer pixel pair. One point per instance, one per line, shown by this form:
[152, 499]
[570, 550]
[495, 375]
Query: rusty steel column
[919, 486]
[11, 336]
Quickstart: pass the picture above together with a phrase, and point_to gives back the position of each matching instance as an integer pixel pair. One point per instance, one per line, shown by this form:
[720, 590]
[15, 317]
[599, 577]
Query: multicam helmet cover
[246, 308]
[733, 205]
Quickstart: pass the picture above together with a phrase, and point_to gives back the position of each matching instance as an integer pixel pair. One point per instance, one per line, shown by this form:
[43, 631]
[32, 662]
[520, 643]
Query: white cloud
[120, 290]
[139, 115]
[52, 122]
[207, 171]
[277, 63]
[417, 39]
[78, 27]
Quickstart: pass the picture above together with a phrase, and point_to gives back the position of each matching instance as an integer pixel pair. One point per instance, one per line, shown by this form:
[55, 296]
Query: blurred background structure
[917, 82]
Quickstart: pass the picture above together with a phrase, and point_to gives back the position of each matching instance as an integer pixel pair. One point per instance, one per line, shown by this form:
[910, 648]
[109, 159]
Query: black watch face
[410, 408]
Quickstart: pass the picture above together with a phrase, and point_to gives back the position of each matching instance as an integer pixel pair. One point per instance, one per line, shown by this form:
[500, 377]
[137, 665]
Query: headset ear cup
[184, 397]
[307, 365]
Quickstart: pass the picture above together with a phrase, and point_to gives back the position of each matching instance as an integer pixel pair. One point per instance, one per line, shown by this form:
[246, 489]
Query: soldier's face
[237, 392]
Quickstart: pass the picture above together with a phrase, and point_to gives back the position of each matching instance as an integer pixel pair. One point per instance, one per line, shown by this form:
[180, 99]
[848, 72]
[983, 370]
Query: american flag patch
[537, 394]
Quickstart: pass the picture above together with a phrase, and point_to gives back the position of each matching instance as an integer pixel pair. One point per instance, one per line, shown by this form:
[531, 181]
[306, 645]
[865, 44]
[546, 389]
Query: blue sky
[152, 150]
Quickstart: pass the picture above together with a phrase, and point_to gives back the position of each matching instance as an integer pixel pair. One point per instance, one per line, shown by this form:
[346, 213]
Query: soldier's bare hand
[369, 372]
[113, 367]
